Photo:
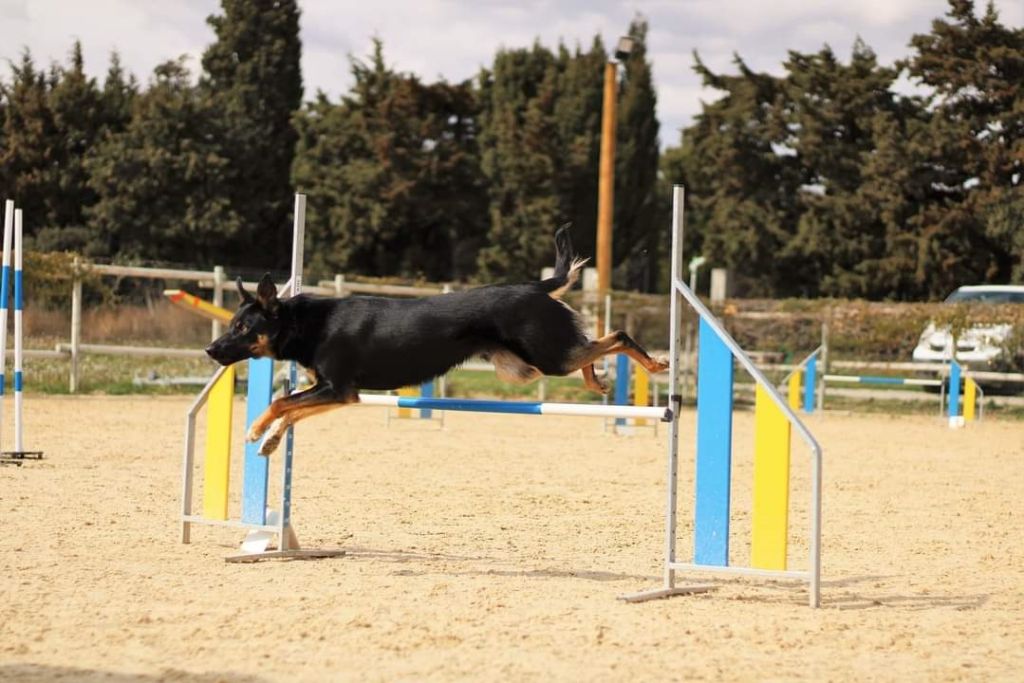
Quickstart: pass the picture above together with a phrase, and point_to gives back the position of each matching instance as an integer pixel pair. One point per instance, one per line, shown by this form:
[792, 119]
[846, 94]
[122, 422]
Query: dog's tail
[567, 265]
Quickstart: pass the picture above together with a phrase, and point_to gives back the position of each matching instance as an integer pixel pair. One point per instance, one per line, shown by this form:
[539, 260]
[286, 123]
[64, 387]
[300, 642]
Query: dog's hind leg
[511, 368]
[592, 381]
[615, 342]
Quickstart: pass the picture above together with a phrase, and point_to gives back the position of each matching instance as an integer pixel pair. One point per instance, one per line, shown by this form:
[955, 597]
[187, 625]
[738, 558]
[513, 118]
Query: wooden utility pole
[606, 187]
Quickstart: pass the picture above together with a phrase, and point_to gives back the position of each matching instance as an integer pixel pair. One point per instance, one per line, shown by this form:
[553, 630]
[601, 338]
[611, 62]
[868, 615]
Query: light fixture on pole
[695, 263]
[606, 177]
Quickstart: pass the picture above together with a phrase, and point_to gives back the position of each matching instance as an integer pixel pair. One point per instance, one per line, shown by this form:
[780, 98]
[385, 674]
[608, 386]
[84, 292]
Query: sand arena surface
[495, 549]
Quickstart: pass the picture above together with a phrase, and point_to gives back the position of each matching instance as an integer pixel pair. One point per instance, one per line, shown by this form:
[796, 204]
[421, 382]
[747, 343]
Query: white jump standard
[13, 219]
[260, 523]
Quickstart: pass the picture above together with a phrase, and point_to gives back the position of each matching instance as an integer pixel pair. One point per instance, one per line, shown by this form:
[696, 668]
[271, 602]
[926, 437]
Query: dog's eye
[240, 328]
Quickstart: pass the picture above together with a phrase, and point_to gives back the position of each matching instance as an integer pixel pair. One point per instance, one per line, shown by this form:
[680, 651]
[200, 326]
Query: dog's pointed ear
[266, 294]
[244, 295]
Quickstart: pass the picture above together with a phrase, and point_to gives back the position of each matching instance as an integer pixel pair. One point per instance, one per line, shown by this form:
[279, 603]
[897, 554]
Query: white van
[979, 345]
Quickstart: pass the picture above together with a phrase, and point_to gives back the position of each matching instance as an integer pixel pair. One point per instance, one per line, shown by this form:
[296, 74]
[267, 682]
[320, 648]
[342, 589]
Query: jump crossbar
[517, 407]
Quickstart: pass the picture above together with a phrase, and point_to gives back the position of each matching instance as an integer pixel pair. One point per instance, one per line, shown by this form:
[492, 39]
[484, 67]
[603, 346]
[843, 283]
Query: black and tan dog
[363, 342]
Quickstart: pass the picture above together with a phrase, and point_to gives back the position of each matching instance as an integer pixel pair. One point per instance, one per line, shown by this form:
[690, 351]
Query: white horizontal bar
[151, 273]
[516, 407]
[741, 571]
[369, 288]
[598, 410]
[893, 381]
[40, 353]
[115, 350]
[196, 519]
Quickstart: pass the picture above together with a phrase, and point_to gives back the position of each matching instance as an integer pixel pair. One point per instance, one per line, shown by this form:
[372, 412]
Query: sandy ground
[495, 549]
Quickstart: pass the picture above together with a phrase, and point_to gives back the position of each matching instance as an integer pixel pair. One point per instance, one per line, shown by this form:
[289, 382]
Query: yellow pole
[217, 469]
[606, 186]
[641, 392]
[770, 516]
[970, 399]
[407, 392]
[795, 381]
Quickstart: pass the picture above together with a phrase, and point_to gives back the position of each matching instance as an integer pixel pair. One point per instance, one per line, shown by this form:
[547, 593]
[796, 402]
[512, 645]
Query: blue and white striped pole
[19, 446]
[955, 419]
[466, 405]
[810, 382]
[5, 293]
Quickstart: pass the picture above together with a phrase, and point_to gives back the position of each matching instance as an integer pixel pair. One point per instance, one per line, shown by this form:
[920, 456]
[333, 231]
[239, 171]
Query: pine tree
[829, 110]
[158, 181]
[32, 147]
[252, 77]
[636, 238]
[519, 140]
[744, 182]
[393, 176]
[118, 94]
[975, 148]
[78, 118]
[577, 121]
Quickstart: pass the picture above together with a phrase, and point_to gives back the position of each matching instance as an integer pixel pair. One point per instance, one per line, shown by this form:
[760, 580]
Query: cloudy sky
[453, 38]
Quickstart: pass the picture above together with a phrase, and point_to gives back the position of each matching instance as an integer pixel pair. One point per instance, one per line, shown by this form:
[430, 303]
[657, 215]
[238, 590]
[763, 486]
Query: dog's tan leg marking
[592, 381]
[614, 342]
[273, 437]
[262, 423]
[280, 426]
[511, 368]
[291, 409]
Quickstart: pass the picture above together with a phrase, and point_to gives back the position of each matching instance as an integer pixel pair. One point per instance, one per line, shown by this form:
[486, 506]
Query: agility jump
[774, 420]
[260, 523]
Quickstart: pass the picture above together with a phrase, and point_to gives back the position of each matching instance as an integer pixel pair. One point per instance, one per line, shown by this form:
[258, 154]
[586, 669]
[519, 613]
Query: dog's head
[253, 328]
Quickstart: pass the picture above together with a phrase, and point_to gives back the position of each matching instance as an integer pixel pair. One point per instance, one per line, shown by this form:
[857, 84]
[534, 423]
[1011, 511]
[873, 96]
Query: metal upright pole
[76, 325]
[674, 398]
[824, 364]
[19, 431]
[5, 290]
[218, 298]
[285, 533]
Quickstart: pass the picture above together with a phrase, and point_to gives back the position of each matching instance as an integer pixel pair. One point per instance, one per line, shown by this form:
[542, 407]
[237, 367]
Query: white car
[979, 345]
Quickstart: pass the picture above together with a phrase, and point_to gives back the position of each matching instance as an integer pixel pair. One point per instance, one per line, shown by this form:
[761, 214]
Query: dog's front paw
[255, 432]
[270, 444]
[273, 438]
[659, 364]
[601, 385]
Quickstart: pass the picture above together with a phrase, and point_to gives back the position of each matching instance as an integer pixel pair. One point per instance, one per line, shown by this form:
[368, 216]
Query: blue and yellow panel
[217, 463]
[970, 399]
[714, 449]
[256, 467]
[770, 523]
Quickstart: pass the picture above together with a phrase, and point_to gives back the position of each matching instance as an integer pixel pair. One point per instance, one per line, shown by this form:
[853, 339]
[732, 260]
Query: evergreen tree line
[827, 181]
[447, 181]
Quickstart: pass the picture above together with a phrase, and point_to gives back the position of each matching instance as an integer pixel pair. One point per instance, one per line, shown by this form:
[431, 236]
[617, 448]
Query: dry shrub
[160, 324]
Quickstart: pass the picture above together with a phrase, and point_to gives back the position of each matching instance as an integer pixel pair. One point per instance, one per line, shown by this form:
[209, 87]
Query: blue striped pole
[19, 305]
[5, 294]
[466, 405]
[714, 448]
[256, 467]
[810, 383]
[878, 379]
[954, 391]
[427, 391]
[621, 385]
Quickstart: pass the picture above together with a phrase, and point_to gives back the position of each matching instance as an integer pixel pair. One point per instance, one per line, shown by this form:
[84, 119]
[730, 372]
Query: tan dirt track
[494, 550]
